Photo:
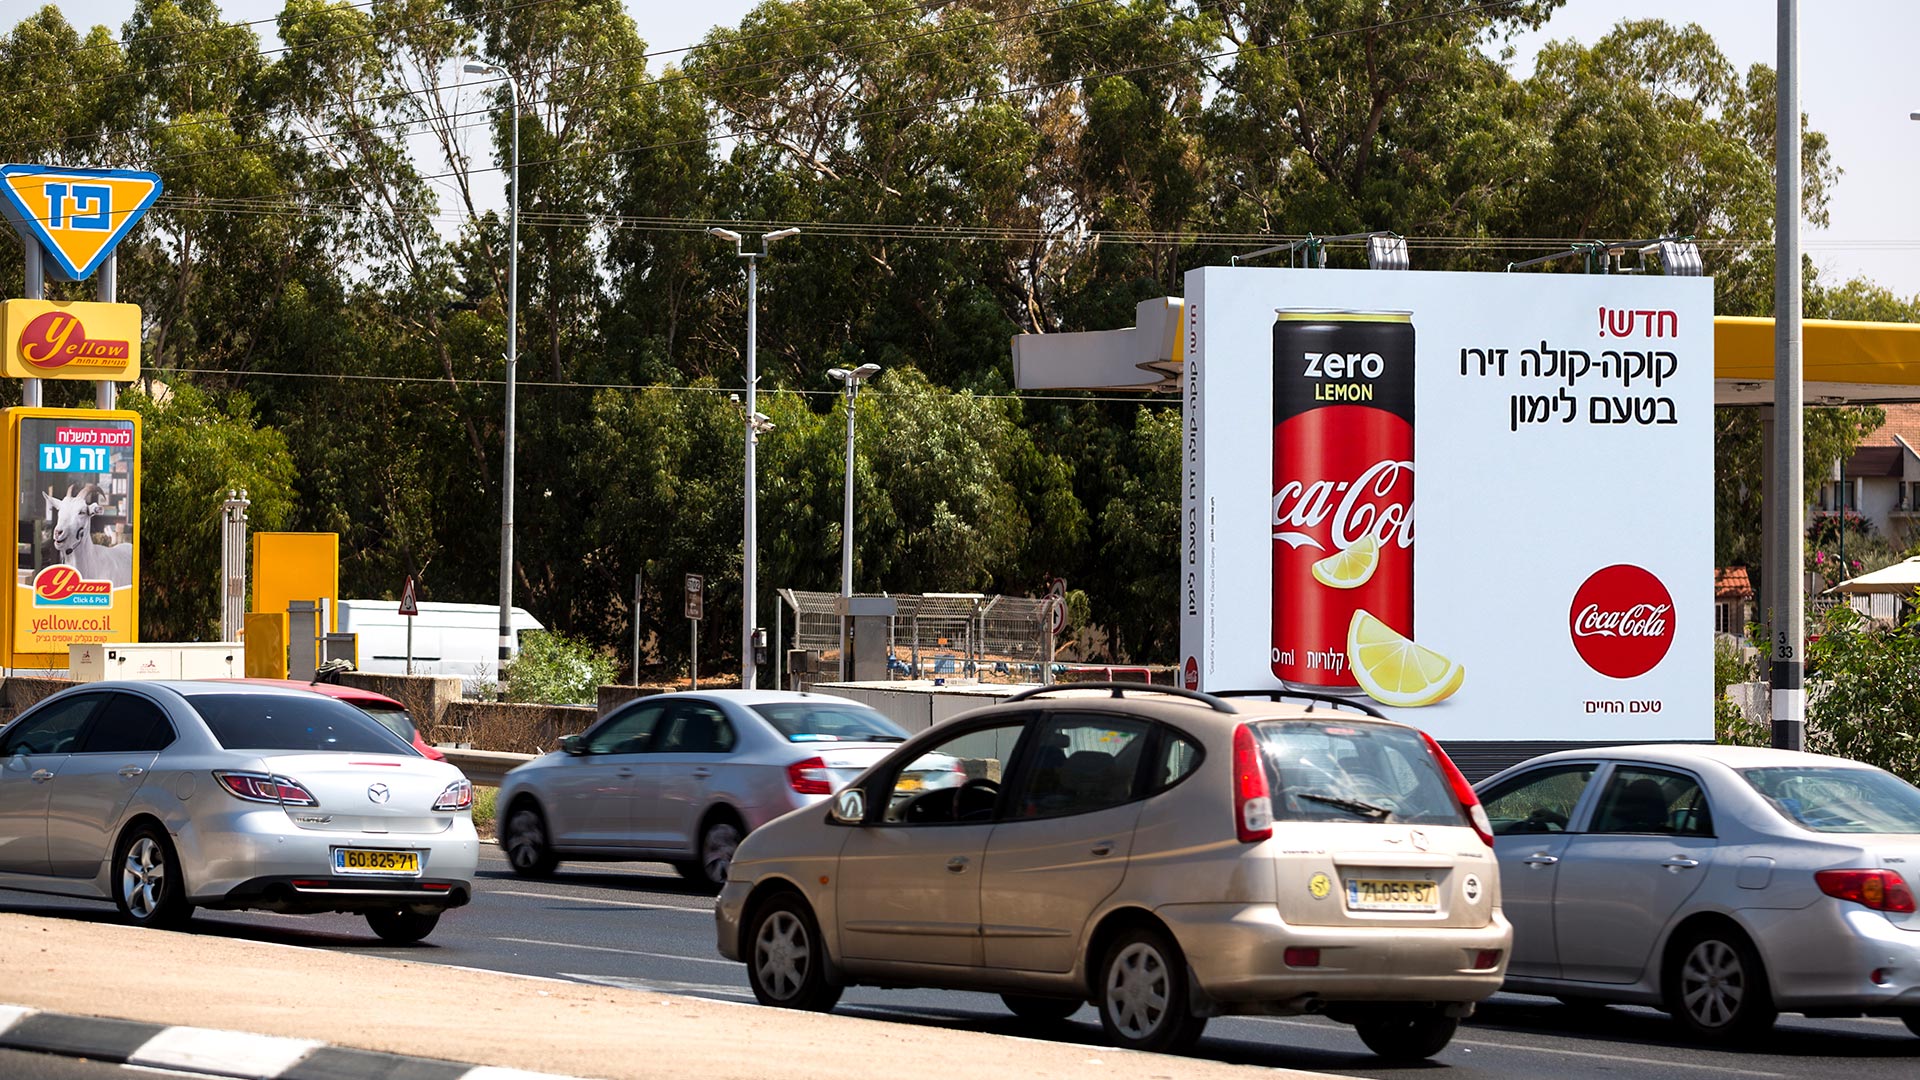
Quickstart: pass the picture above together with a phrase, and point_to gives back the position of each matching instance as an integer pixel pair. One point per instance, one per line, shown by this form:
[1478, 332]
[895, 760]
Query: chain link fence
[1001, 639]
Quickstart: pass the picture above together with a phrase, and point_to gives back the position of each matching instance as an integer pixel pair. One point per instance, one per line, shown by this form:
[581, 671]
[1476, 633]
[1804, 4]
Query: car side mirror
[849, 807]
[571, 744]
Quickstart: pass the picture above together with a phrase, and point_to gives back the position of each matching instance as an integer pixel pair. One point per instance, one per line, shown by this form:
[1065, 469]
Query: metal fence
[1005, 639]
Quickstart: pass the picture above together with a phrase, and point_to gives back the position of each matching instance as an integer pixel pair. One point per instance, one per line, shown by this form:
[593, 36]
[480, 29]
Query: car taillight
[1462, 791]
[265, 788]
[1881, 890]
[458, 796]
[1252, 806]
[809, 777]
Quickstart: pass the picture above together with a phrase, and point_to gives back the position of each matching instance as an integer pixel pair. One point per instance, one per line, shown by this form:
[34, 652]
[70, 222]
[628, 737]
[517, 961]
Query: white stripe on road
[597, 900]
[681, 989]
[1485, 1045]
[495, 1072]
[13, 1014]
[622, 952]
[227, 1053]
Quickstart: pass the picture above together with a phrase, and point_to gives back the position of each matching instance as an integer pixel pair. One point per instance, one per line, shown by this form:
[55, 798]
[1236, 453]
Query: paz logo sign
[61, 585]
[77, 215]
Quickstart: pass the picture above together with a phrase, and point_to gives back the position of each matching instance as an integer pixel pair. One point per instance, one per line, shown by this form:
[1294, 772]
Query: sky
[1859, 83]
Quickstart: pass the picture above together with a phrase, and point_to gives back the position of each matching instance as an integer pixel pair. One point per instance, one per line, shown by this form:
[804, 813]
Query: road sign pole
[409, 646]
[695, 670]
[636, 628]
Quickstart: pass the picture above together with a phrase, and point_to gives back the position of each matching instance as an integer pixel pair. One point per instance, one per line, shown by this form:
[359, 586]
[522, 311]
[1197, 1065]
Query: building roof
[1876, 461]
[1902, 420]
[1731, 581]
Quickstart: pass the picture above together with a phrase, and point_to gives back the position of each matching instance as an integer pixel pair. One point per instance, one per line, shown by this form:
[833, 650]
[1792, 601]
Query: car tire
[1716, 988]
[786, 957]
[402, 927]
[1144, 1003]
[529, 849]
[1411, 1034]
[719, 839]
[148, 886]
[1041, 1010]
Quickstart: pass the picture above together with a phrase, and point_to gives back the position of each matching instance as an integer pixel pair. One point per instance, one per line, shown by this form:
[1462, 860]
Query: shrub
[1863, 699]
[553, 669]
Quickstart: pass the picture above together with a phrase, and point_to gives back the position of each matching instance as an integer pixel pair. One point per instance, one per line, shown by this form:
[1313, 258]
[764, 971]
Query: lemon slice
[1395, 671]
[1351, 566]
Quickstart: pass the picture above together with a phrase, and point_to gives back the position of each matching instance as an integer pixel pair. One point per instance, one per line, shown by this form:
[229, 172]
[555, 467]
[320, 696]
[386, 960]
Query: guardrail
[487, 767]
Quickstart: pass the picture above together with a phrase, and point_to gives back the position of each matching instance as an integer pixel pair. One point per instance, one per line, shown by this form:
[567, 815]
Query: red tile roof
[1731, 581]
[1902, 420]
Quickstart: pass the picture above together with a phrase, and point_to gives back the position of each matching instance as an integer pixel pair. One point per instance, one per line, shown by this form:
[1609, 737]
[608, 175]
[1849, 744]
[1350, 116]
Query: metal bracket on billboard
[1679, 256]
[1386, 250]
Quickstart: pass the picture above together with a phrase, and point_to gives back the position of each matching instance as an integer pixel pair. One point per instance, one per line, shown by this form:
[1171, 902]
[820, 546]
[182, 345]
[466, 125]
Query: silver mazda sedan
[1724, 884]
[1169, 856]
[167, 796]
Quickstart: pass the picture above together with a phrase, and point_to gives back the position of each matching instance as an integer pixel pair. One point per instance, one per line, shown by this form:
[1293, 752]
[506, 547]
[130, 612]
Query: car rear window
[1839, 800]
[825, 721]
[306, 722]
[1346, 771]
[392, 718]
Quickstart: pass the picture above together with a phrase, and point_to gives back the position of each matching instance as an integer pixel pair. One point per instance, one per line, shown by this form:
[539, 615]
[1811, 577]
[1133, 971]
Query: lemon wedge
[1351, 566]
[1395, 671]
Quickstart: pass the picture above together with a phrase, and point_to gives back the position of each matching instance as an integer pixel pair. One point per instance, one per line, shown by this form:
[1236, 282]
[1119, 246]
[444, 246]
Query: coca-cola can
[1342, 472]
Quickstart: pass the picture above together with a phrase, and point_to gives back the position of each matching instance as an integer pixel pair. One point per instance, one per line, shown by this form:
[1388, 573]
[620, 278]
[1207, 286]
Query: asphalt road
[639, 926]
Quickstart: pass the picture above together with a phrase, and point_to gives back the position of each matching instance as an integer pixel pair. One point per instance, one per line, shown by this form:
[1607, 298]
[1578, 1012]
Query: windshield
[305, 722]
[1345, 771]
[391, 717]
[829, 721]
[1839, 800]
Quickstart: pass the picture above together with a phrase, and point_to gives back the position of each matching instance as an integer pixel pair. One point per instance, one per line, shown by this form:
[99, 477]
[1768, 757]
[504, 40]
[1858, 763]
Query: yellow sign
[75, 477]
[289, 566]
[51, 339]
[77, 215]
[1319, 886]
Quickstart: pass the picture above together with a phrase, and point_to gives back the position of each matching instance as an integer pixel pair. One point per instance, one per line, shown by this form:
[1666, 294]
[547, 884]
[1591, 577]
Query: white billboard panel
[1557, 430]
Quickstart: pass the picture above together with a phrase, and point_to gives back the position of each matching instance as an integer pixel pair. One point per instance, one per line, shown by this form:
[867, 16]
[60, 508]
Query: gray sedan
[1723, 884]
[681, 778]
[166, 796]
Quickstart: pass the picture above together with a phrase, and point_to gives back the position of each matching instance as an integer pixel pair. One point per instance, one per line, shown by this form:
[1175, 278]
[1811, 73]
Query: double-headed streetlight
[852, 380]
[474, 67]
[749, 582]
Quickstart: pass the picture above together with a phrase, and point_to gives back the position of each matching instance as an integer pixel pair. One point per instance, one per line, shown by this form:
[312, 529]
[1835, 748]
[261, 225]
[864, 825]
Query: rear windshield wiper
[1364, 809]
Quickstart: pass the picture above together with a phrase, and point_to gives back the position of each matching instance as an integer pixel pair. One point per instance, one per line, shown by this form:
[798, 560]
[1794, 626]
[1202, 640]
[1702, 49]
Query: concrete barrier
[489, 767]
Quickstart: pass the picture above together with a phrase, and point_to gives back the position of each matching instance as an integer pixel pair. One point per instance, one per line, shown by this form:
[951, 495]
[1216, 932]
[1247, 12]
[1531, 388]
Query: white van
[448, 639]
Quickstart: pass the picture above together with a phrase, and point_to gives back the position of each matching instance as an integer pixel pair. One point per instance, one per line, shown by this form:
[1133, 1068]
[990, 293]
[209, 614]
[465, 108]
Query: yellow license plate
[908, 783]
[353, 861]
[1373, 894]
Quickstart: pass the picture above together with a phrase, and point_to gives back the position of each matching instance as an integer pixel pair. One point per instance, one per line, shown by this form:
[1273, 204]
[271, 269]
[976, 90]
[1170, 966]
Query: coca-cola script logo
[1378, 502]
[1622, 621]
[1191, 674]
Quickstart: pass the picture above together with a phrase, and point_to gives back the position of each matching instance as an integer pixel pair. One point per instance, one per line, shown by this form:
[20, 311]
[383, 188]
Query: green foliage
[1731, 664]
[1863, 700]
[553, 669]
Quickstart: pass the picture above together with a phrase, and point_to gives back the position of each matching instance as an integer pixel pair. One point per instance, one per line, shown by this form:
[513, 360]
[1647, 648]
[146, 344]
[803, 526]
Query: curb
[232, 1054]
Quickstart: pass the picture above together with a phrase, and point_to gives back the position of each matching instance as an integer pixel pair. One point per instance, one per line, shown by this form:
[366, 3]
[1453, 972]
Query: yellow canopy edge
[1831, 351]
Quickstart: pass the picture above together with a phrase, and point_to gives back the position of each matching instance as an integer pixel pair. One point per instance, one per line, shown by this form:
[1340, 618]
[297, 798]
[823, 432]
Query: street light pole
[749, 563]
[852, 380]
[1786, 577]
[474, 67]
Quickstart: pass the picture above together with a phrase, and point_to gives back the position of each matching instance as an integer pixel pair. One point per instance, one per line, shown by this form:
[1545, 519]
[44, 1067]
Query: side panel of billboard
[1554, 433]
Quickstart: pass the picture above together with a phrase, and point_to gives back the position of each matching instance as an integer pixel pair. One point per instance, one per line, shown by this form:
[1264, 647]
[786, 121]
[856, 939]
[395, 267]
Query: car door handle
[1104, 847]
[1680, 862]
[957, 864]
[131, 771]
[703, 772]
[1541, 859]
[40, 776]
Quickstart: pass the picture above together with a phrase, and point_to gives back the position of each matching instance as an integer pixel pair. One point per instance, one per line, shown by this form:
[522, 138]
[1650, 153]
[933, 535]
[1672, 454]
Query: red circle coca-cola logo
[1622, 621]
[1191, 673]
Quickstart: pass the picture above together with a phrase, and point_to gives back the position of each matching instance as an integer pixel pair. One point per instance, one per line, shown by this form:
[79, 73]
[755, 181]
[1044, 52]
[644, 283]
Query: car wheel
[1409, 1034]
[786, 959]
[1143, 994]
[148, 887]
[1716, 988]
[529, 851]
[718, 841]
[1041, 1010]
[401, 926]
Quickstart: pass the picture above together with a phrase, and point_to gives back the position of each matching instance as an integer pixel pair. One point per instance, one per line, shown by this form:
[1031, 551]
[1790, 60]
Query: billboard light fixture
[1679, 256]
[1386, 250]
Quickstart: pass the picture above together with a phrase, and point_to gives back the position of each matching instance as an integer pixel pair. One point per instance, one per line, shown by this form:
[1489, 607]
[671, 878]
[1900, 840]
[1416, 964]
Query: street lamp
[852, 380]
[474, 67]
[749, 582]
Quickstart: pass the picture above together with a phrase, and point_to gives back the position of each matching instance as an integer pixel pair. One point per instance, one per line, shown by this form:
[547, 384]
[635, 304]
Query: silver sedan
[167, 796]
[1723, 884]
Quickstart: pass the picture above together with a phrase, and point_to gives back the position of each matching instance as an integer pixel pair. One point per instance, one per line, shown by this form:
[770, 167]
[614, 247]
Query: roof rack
[1277, 694]
[1120, 690]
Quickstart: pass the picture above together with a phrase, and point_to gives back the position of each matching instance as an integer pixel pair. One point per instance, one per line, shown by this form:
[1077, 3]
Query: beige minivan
[1167, 855]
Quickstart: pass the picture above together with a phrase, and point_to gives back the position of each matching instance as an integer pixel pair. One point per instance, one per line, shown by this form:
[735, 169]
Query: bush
[553, 669]
[1863, 699]
[1730, 724]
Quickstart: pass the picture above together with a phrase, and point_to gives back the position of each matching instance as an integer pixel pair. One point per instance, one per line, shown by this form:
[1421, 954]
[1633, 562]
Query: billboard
[1557, 430]
[75, 478]
[55, 339]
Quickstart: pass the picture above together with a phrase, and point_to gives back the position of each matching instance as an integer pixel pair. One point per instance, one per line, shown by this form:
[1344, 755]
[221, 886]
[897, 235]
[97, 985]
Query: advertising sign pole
[1788, 618]
[106, 392]
[36, 290]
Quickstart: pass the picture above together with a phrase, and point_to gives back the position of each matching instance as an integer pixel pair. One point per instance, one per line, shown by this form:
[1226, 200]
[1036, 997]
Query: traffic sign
[408, 606]
[77, 215]
[696, 596]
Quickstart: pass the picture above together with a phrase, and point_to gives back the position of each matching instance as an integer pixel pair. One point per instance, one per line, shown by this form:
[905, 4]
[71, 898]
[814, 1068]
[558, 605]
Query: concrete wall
[427, 697]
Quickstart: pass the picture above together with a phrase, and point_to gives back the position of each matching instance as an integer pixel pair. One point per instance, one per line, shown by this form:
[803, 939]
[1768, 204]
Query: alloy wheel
[781, 954]
[143, 878]
[526, 840]
[1137, 990]
[1713, 983]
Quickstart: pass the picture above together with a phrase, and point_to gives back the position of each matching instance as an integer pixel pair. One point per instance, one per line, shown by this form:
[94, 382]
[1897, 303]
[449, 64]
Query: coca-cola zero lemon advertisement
[1554, 434]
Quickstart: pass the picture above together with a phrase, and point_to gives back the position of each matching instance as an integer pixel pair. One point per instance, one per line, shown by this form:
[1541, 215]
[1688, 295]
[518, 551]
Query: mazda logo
[378, 792]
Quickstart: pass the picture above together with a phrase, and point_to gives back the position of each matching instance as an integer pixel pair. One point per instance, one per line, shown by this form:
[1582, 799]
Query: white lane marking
[496, 1072]
[492, 853]
[597, 900]
[1486, 1045]
[13, 1014]
[622, 952]
[661, 986]
[226, 1052]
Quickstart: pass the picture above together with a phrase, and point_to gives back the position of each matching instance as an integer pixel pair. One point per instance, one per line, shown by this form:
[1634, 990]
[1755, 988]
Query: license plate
[908, 783]
[356, 861]
[1372, 894]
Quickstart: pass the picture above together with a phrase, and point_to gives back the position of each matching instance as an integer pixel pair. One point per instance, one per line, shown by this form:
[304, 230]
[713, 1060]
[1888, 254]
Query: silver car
[1724, 884]
[167, 796]
[1169, 856]
[680, 778]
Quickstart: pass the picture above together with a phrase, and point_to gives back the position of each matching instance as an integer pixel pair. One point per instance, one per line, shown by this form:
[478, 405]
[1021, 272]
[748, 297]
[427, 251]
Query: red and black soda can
[1342, 476]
